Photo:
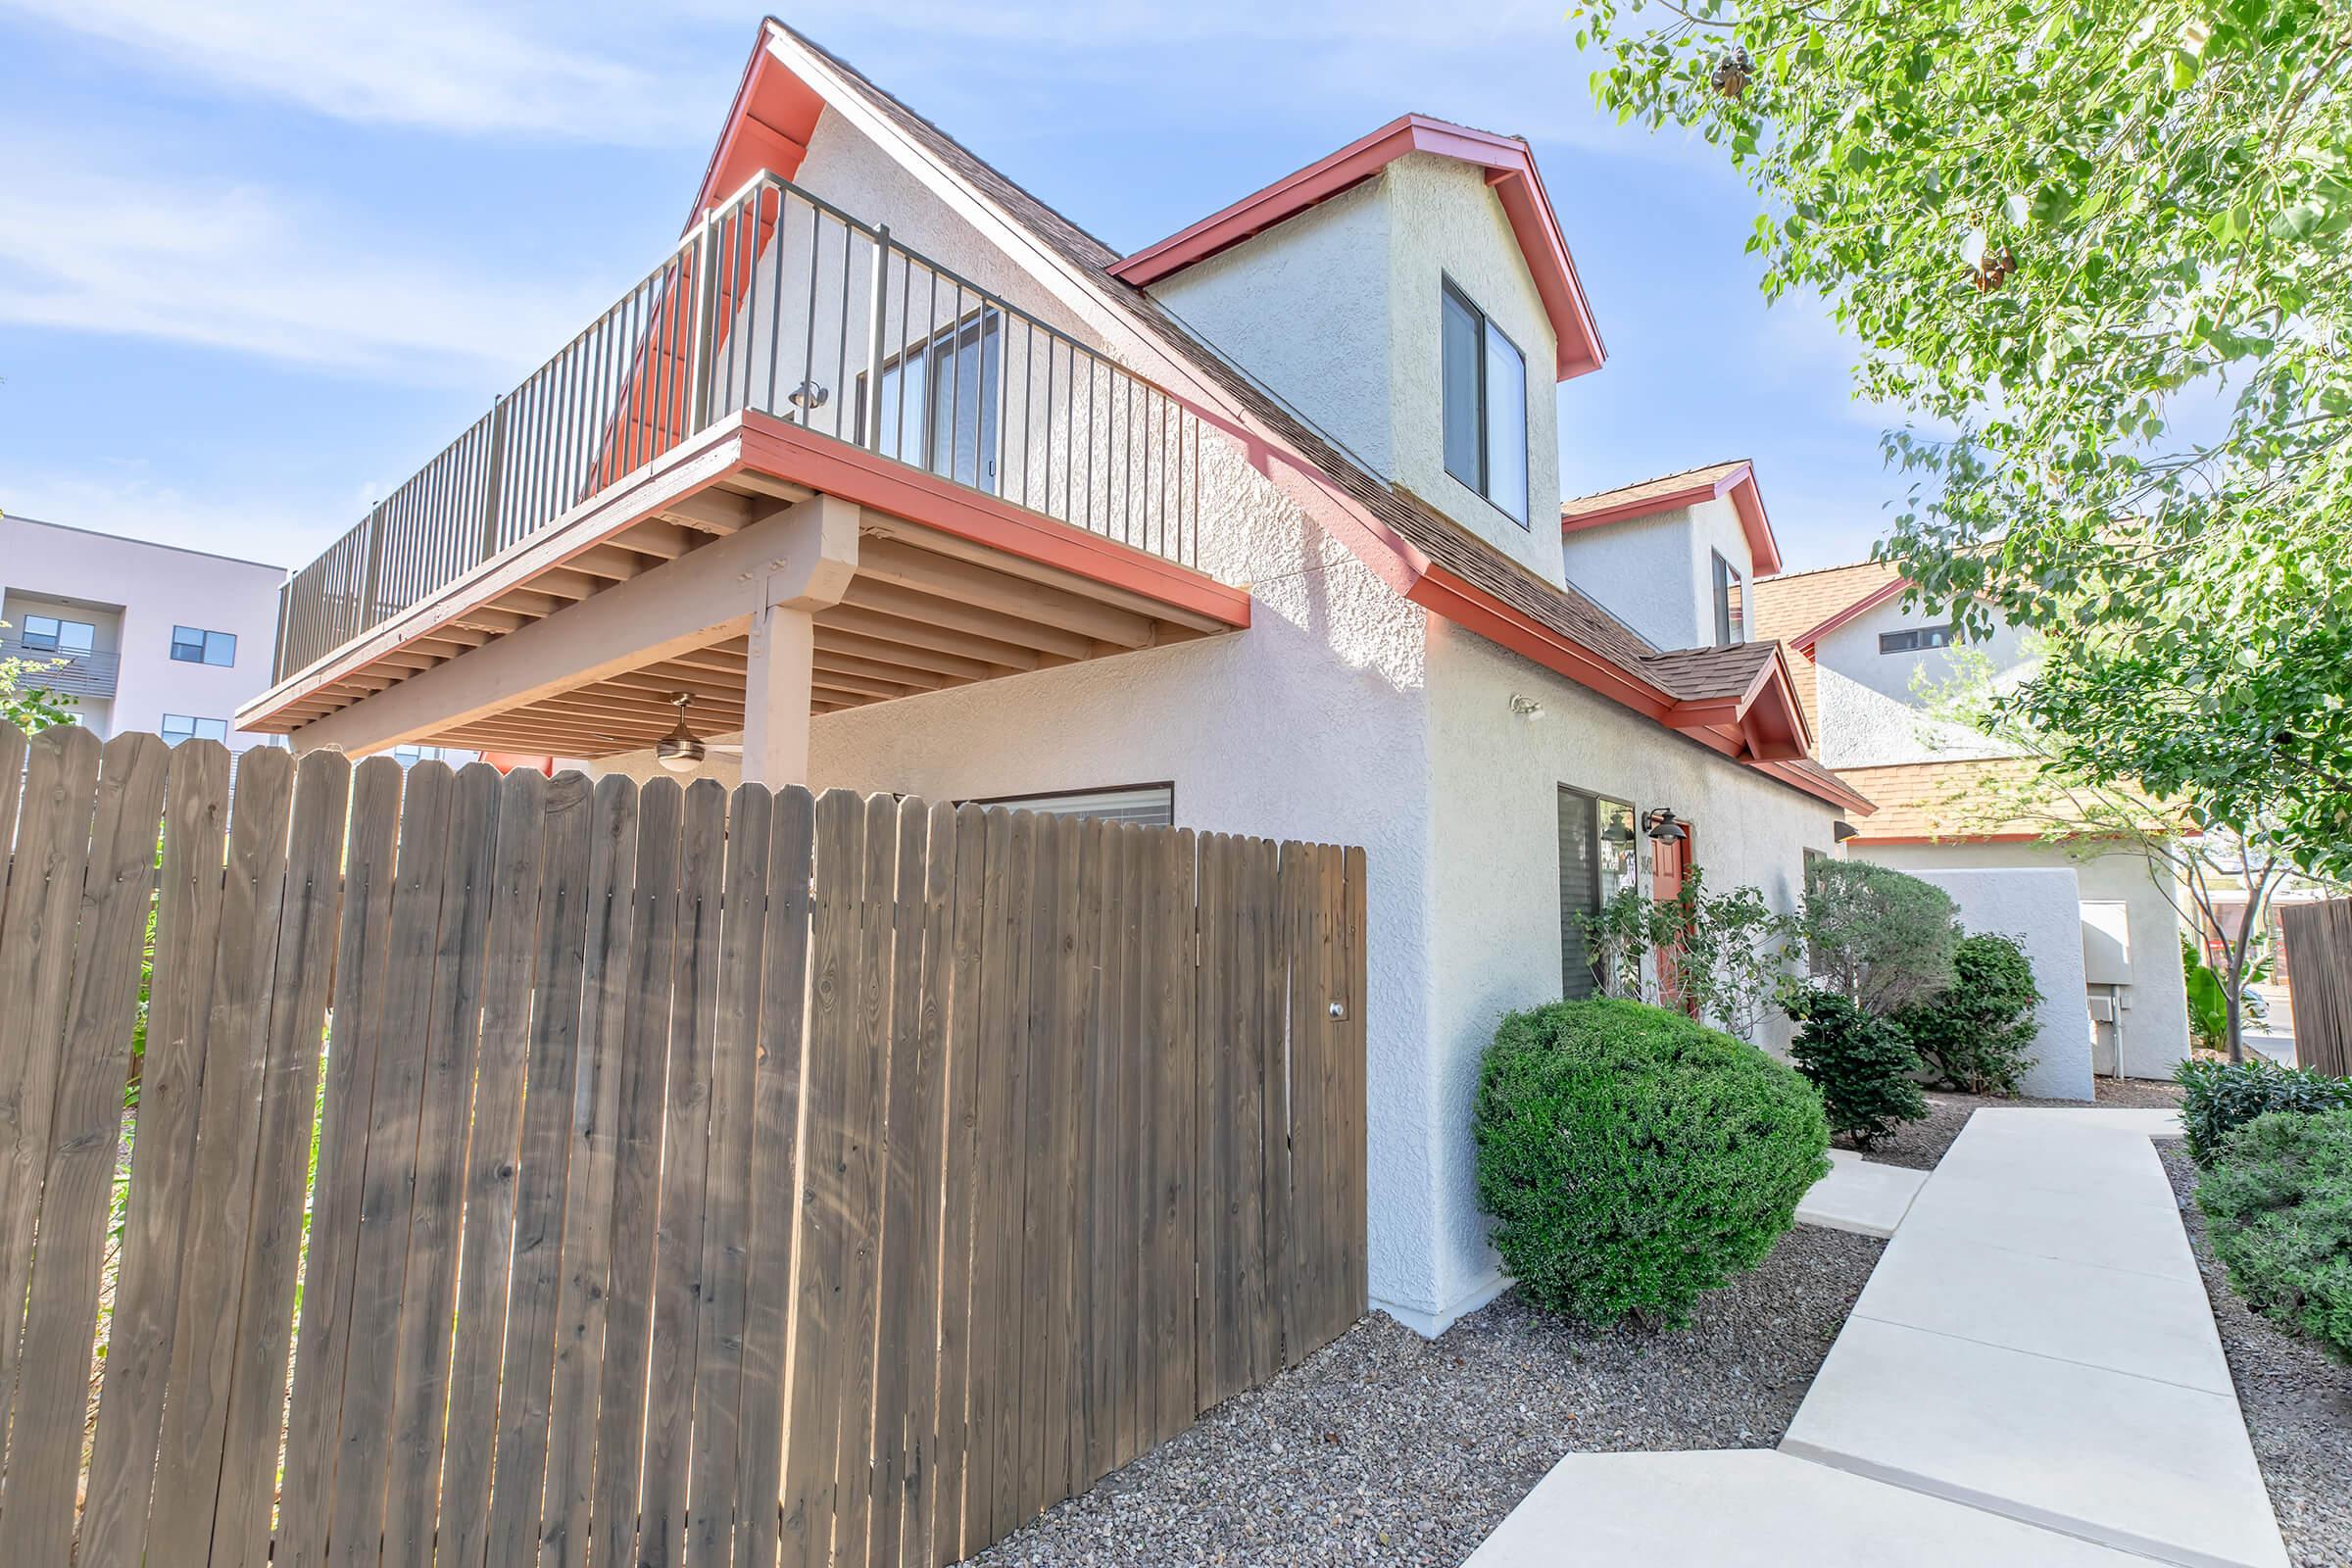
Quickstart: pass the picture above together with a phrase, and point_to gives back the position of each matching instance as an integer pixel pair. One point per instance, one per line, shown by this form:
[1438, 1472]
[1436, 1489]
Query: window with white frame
[52, 634]
[1598, 860]
[1914, 639]
[180, 727]
[1731, 604]
[193, 645]
[1484, 391]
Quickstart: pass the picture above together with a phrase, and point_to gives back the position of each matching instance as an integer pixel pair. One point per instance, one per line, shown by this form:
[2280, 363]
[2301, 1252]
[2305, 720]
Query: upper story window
[1731, 604]
[1914, 639]
[192, 645]
[180, 727]
[1486, 407]
[48, 634]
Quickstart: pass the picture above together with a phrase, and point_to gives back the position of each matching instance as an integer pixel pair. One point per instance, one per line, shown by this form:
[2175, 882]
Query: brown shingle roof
[1665, 485]
[1690, 673]
[1561, 608]
[1959, 799]
[1796, 602]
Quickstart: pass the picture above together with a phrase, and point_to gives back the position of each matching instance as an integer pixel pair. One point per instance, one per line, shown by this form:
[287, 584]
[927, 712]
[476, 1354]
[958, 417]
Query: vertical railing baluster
[872, 412]
[497, 461]
[702, 328]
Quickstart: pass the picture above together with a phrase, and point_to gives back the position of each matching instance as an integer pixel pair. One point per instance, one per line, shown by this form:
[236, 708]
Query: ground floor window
[1597, 861]
[1151, 805]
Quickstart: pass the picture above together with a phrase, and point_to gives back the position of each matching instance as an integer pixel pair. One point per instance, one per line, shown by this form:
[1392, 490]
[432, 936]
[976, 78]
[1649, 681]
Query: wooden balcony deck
[1023, 501]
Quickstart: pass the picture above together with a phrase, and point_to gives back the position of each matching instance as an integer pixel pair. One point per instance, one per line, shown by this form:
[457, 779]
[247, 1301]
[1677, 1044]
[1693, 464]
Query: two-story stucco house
[1864, 663]
[906, 482]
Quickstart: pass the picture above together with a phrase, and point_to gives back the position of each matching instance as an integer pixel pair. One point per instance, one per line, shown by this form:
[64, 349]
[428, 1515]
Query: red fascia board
[1510, 170]
[822, 462]
[1747, 500]
[1805, 641]
[1946, 838]
[768, 127]
[1827, 789]
[1473, 609]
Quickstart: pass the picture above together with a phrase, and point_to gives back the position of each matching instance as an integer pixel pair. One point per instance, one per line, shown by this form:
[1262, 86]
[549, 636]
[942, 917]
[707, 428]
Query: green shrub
[2223, 1096]
[1977, 1033]
[1876, 936]
[1861, 1064]
[2277, 1202]
[1634, 1160]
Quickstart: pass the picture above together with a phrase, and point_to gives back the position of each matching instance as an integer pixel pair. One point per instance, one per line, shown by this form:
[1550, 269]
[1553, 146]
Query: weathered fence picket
[698, 1178]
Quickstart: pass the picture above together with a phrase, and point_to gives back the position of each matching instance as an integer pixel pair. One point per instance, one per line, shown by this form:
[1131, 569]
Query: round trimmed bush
[1976, 1034]
[1634, 1160]
[2277, 1202]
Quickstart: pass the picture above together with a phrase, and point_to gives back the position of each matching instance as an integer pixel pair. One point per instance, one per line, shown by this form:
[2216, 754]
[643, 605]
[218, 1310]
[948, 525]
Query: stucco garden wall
[1495, 943]
[2155, 1020]
[2042, 907]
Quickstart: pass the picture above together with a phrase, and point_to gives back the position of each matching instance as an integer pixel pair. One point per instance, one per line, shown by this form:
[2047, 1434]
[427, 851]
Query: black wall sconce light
[1662, 828]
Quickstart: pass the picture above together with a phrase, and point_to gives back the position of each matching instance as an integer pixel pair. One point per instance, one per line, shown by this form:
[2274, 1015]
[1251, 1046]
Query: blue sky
[258, 261]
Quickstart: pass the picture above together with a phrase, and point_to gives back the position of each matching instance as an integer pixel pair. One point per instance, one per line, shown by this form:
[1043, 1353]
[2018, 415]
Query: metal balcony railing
[780, 302]
[67, 674]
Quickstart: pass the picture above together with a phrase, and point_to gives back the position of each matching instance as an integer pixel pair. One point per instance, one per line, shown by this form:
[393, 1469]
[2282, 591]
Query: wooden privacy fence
[530, 1170]
[2319, 957]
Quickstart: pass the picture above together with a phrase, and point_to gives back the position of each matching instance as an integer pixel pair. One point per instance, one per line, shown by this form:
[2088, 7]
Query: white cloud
[234, 266]
[258, 522]
[432, 63]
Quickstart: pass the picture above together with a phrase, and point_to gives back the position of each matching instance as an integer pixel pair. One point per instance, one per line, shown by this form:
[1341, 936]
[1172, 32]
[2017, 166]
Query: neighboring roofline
[1510, 169]
[1738, 483]
[1947, 838]
[1804, 641]
[144, 544]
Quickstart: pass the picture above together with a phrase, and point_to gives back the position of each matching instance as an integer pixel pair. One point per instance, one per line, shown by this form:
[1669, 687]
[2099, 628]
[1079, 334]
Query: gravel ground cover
[1386, 1448]
[1921, 1144]
[2297, 1400]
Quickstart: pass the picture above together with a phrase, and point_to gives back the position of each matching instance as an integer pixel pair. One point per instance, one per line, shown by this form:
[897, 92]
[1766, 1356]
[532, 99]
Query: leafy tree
[1876, 936]
[30, 707]
[2098, 249]
[2220, 879]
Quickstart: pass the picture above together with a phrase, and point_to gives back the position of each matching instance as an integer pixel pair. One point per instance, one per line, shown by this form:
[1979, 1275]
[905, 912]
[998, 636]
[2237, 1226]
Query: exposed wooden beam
[839, 640]
[883, 627]
[934, 542]
[888, 561]
[870, 593]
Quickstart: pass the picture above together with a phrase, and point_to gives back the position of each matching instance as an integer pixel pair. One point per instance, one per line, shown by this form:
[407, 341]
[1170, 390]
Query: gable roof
[1928, 802]
[1796, 603]
[1751, 715]
[1510, 170]
[1671, 492]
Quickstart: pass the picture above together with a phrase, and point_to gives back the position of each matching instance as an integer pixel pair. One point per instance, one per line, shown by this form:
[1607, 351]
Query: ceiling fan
[682, 751]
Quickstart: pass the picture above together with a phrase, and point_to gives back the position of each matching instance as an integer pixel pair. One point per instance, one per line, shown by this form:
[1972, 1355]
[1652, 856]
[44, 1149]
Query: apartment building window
[180, 727]
[1597, 861]
[48, 634]
[1914, 639]
[1731, 604]
[1486, 406]
[192, 645]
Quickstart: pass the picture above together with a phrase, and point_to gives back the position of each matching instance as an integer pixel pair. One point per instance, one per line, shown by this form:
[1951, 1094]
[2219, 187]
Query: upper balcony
[67, 673]
[1023, 500]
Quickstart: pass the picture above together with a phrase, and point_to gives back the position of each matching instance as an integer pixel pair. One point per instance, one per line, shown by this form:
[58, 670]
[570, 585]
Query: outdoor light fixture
[1662, 828]
[1839, 832]
[1525, 707]
[679, 750]
[1619, 831]
[808, 397]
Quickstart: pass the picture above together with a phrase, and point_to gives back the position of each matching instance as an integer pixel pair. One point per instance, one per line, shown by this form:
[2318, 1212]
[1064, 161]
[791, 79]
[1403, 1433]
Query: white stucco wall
[140, 591]
[2154, 1026]
[1495, 943]
[1657, 574]
[1338, 311]
[1305, 308]
[2042, 907]
[1446, 222]
[1870, 702]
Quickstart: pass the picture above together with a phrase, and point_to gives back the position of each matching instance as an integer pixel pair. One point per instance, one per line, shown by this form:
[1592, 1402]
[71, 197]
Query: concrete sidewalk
[2032, 1376]
[2036, 1342]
